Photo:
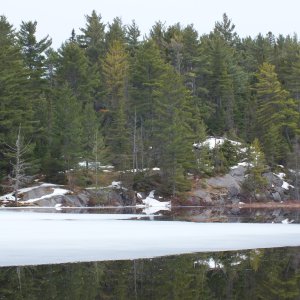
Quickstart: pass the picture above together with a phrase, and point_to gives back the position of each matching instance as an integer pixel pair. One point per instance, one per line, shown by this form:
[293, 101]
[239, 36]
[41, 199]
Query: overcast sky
[57, 17]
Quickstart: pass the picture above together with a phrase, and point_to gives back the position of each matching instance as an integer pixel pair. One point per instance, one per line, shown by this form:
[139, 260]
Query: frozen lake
[45, 238]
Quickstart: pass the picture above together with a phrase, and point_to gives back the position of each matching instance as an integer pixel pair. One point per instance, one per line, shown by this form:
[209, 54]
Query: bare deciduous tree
[16, 154]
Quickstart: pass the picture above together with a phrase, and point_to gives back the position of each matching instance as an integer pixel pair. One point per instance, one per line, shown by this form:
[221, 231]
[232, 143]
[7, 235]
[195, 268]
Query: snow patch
[151, 202]
[213, 142]
[211, 263]
[280, 175]
[155, 169]
[242, 164]
[151, 210]
[116, 184]
[286, 185]
[56, 192]
[11, 196]
[287, 221]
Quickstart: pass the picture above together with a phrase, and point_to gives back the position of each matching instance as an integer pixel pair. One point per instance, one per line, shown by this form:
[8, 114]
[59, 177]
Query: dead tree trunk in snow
[19, 165]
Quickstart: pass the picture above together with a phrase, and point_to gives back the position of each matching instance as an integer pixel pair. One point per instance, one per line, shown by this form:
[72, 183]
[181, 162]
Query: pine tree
[33, 51]
[220, 85]
[90, 127]
[190, 50]
[16, 103]
[116, 33]
[293, 82]
[145, 76]
[93, 42]
[115, 70]
[172, 136]
[202, 152]
[174, 38]
[74, 70]
[226, 30]
[93, 38]
[132, 38]
[67, 132]
[34, 56]
[277, 115]
[157, 34]
[255, 182]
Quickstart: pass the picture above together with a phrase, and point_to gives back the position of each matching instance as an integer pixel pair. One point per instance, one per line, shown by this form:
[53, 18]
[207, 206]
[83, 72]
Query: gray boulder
[203, 195]
[238, 173]
[227, 181]
[272, 179]
[37, 192]
[80, 200]
[276, 197]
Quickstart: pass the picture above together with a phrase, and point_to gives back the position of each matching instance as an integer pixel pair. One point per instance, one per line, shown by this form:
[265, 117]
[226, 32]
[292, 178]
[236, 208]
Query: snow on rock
[58, 206]
[151, 210]
[287, 221]
[10, 196]
[56, 192]
[213, 142]
[242, 164]
[280, 175]
[139, 195]
[44, 238]
[116, 184]
[151, 202]
[211, 263]
[285, 185]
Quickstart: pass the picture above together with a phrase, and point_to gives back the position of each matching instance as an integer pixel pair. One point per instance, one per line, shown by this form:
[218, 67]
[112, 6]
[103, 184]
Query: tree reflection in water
[252, 274]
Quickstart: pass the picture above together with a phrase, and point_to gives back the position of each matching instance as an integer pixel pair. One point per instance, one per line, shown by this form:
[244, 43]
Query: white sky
[58, 17]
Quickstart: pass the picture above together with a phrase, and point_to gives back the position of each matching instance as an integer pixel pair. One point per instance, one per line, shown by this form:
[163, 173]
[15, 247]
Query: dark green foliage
[277, 115]
[158, 96]
[93, 38]
[231, 153]
[73, 70]
[116, 32]
[67, 131]
[255, 182]
[16, 99]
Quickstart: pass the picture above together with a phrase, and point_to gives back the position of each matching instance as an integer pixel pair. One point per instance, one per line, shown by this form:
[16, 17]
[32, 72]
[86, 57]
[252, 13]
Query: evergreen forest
[137, 102]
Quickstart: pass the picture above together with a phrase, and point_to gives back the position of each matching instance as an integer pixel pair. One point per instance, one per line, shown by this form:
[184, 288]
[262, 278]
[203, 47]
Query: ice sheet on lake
[44, 238]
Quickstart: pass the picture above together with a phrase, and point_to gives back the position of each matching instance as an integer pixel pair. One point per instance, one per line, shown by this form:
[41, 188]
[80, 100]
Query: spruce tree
[172, 136]
[277, 115]
[115, 70]
[116, 32]
[67, 132]
[132, 38]
[33, 51]
[93, 38]
[34, 57]
[145, 77]
[16, 103]
[255, 182]
[73, 69]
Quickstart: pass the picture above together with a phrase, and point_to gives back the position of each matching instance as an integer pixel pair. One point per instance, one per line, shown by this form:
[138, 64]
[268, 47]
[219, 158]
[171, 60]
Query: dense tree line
[142, 103]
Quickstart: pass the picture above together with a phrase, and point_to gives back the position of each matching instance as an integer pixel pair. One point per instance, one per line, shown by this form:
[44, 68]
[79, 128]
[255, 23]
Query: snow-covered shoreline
[45, 238]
